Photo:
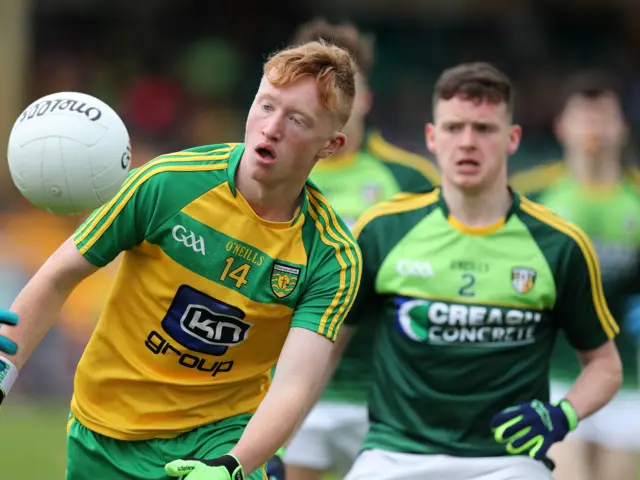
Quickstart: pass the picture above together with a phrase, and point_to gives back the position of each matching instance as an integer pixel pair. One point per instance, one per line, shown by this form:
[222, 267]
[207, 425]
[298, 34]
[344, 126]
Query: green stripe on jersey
[134, 181]
[253, 276]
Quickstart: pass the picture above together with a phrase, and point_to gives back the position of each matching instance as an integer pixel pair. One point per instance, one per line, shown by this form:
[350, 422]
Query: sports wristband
[8, 375]
[570, 413]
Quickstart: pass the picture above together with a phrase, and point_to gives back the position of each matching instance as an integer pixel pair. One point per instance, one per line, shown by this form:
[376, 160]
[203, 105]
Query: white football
[69, 153]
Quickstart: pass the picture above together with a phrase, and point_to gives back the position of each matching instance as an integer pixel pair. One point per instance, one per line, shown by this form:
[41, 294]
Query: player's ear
[430, 137]
[515, 134]
[334, 145]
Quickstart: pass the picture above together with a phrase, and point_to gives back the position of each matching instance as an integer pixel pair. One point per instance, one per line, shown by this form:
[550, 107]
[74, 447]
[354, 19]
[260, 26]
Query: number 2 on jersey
[466, 289]
[238, 274]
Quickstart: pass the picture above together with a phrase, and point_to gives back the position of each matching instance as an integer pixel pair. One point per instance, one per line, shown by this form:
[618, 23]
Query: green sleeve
[409, 179]
[534, 181]
[332, 286]
[149, 196]
[139, 208]
[581, 308]
[365, 303]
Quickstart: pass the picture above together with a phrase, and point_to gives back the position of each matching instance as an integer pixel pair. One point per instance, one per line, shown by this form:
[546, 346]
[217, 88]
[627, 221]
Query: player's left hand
[226, 467]
[6, 345]
[531, 428]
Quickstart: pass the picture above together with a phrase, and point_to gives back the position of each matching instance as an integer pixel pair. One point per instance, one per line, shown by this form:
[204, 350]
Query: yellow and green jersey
[466, 318]
[204, 297]
[353, 183]
[610, 216]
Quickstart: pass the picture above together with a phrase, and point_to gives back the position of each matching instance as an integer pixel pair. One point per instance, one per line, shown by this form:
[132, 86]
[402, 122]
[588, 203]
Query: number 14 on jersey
[239, 274]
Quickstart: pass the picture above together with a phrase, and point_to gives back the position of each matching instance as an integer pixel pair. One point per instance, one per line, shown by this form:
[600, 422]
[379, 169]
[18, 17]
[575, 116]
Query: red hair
[332, 68]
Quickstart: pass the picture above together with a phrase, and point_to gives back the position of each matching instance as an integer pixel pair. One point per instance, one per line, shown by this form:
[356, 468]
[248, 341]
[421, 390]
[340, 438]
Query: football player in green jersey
[232, 259]
[467, 286]
[596, 190]
[367, 171]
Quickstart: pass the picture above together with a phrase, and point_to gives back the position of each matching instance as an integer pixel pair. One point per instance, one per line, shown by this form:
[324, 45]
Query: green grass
[33, 441]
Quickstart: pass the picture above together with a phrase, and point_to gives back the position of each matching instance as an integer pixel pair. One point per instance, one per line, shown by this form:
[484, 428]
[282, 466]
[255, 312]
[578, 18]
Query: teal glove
[8, 371]
[6, 345]
[226, 467]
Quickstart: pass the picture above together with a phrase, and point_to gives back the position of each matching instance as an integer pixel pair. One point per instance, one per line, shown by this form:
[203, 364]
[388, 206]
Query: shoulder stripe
[545, 215]
[110, 211]
[403, 202]
[215, 151]
[537, 178]
[322, 327]
[343, 241]
[334, 228]
[392, 154]
[132, 183]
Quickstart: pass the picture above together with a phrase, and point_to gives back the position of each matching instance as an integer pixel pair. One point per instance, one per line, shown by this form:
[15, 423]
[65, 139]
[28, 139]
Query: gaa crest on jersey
[523, 279]
[284, 279]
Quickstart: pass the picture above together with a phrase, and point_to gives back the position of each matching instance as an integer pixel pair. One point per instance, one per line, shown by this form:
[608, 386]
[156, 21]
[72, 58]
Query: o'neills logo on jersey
[441, 323]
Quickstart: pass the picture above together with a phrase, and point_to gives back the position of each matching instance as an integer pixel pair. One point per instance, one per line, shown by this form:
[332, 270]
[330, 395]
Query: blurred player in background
[594, 189]
[365, 172]
[467, 286]
[232, 259]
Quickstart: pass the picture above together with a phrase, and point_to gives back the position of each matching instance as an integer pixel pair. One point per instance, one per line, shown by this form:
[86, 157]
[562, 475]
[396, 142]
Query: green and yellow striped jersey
[205, 295]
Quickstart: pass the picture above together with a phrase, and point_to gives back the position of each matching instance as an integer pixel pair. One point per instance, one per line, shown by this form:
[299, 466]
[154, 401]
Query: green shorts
[91, 456]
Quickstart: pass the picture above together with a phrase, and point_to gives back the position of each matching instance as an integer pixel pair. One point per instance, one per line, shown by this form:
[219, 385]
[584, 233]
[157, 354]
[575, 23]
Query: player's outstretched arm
[36, 308]
[304, 367]
[582, 312]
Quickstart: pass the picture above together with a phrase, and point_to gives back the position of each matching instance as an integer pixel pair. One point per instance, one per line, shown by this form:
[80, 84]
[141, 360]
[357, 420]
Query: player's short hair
[590, 84]
[332, 67]
[475, 81]
[345, 35]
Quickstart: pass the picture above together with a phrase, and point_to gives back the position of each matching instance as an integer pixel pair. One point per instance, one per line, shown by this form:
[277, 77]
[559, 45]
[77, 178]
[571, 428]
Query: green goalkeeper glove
[226, 467]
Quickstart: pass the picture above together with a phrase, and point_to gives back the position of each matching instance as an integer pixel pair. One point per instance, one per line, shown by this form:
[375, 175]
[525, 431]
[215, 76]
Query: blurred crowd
[182, 74]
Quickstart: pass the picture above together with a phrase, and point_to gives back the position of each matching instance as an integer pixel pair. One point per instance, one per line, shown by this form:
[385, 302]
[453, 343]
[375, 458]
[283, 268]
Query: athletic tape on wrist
[8, 375]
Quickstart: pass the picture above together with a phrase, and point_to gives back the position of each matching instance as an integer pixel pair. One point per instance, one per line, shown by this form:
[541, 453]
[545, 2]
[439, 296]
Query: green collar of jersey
[234, 162]
[515, 205]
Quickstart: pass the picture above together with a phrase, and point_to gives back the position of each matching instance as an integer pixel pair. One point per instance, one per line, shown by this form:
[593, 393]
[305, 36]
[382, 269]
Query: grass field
[32, 441]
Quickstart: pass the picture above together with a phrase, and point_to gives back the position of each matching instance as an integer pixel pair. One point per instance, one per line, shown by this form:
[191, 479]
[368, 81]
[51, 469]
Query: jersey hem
[103, 430]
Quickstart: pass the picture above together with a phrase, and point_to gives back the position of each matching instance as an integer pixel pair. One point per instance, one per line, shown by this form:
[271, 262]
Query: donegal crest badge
[522, 279]
[283, 279]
